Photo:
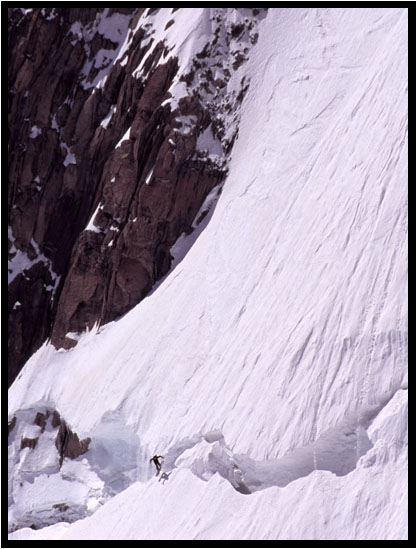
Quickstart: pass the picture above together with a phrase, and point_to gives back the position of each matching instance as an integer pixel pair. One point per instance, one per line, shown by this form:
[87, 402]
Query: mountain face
[208, 262]
[113, 148]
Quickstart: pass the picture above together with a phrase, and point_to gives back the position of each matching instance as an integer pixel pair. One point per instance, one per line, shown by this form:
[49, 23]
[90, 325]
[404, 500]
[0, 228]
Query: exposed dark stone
[54, 112]
[61, 506]
[28, 324]
[68, 444]
[41, 420]
[204, 52]
[28, 443]
[124, 11]
[114, 268]
[11, 425]
[239, 59]
[244, 88]
[54, 210]
[237, 30]
[56, 419]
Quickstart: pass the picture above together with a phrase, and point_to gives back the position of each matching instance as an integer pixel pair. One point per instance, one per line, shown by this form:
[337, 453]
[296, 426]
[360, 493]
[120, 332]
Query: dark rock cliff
[106, 169]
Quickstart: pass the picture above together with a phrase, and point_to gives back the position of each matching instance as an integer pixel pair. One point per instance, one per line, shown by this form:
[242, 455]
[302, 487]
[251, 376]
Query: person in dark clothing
[155, 459]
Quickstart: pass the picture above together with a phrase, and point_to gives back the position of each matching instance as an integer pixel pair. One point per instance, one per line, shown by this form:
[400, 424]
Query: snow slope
[270, 366]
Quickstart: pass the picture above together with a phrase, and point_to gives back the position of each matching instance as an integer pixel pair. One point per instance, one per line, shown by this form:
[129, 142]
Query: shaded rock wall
[104, 174]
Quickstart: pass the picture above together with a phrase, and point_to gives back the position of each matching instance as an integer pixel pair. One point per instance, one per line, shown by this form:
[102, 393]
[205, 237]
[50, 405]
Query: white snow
[51, 16]
[274, 354]
[70, 157]
[125, 137]
[76, 29]
[183, 39]
[34, 132]
[20, 262]
[121, 56]
[115, 28]
[105, 122]
[184, 243]
[90, 225]
[177, 90]
[73, 335]
[54, 124]
[187, 124]
[207, 142]
[149, 176]
[53, 532]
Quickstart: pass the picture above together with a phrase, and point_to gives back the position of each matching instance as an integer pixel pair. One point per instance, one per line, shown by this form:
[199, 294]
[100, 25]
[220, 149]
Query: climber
[155, 459]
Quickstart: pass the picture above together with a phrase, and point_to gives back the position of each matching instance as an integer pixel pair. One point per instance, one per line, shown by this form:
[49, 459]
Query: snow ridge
[337, 450]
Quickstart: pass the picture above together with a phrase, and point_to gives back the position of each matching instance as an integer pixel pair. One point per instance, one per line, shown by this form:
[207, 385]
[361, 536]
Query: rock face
[116, 136]
[68, 443]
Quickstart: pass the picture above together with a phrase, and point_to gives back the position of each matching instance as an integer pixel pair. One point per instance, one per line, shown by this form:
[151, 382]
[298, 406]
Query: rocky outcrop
[39, 441]
[108, 163]
[28, 443]
[41, 420]
[68, 443]
[50, 189]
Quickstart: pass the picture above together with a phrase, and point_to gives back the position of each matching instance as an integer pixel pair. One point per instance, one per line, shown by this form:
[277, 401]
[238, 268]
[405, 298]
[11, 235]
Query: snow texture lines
[337, 450]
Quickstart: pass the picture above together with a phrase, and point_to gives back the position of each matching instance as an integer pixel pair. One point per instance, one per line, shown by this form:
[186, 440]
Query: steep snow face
[269, 366]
